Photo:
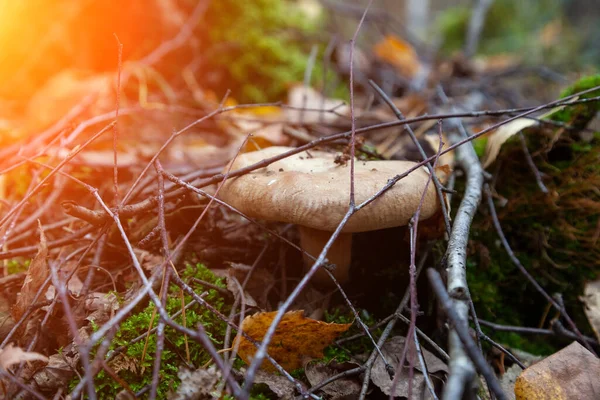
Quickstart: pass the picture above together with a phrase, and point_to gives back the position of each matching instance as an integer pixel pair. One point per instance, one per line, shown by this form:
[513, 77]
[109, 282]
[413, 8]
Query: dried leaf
[6, 324]
[123, 362]
[398, 53]
[197, 384]
[102, 306]
[59, 371]
[311, 107]
[235, 287]
[340, 389]
[392, 350]
[446, 159]
[11, 355]
[258, 286]
[264, 135]
[295, 339]
[264, 123]
[312, 300]
[74, 285]
[35, 278]
[148, 260]
[498, 137]
[571, 373]
[281, 386]
[591, 299]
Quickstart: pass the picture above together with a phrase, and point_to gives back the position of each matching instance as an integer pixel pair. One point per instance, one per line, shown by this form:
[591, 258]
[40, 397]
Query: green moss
[551, 234]
[258, 392]
[262, 46]
[339, 316]
[17, 265]
[355, 347]
[138, 374]
[579, 115]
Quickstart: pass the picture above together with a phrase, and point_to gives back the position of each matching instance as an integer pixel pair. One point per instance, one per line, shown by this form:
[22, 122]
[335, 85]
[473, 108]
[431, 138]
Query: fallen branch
[461, 329]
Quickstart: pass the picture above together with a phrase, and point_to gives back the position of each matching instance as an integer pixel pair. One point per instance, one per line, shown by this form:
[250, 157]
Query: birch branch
[462, 371]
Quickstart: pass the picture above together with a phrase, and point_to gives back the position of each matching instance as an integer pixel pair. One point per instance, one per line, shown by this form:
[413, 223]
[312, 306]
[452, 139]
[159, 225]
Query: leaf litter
[392, 350]
[296, 339]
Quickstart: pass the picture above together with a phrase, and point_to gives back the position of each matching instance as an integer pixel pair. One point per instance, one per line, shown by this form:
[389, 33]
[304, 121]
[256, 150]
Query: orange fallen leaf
[398, 53]
[297, 338]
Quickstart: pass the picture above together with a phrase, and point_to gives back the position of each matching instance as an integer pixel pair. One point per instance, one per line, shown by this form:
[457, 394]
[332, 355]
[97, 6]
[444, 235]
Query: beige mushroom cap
[311, 190]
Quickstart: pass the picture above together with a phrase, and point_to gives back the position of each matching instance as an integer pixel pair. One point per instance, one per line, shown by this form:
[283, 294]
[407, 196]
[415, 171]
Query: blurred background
[241, 40]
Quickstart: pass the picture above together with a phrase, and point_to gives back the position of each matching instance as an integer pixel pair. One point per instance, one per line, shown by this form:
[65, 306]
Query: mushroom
[311, 190]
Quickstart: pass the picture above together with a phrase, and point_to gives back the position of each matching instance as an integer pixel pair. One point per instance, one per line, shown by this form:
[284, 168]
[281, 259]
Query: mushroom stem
[313, 240]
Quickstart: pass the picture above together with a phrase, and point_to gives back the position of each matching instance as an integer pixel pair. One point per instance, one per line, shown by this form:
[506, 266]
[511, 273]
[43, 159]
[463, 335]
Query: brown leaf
[571, 373]
[280, 385]
[310, 107]
[36, 275]
[6, 324]
[74, 285]
[122, 362]
[341, 389]
[245, 298]
[313, 301]
[258, 286]
[295, 339]
[235, 287]
[11, 355]
[102, 306]
[591, 299]
[149, 261]
[392, 350]
[444, 160]
[59, 371]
